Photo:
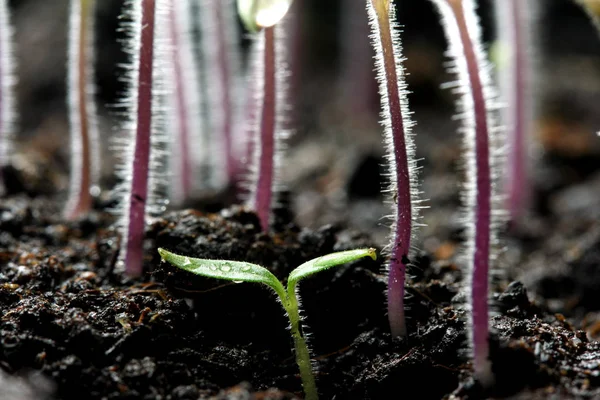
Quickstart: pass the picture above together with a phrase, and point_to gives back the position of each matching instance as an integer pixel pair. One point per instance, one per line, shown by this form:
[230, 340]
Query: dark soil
[72, 328]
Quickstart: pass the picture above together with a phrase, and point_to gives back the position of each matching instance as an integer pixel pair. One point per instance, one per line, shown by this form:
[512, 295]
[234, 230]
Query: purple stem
[483, 187]
[518, 186]
[139, 183]
[399, 168]
[4, 56]
[266, 148]
[360, 96]
[181, 87]
[252, 107]
[3, 139]
[225, 82]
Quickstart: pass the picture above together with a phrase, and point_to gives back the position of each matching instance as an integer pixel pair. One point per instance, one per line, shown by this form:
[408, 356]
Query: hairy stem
[399, 153]
[481, 256]
[7, 83]
[513, 19]
[182, 157]
[463, 33]
[300, 346]
[82, 112]
[141, 165]
[265, 150]
[220, 74]
[356, 54]
[4, 57]
[226, 82]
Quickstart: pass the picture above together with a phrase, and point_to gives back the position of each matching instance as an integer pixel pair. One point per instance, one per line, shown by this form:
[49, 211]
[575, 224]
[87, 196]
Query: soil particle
[174, 335]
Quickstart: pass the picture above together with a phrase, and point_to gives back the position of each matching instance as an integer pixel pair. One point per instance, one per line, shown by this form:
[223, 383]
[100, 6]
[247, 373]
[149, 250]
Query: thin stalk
[480, 136]
[400, 152]
[266, 114]
[253, 104]
[143, 164]
[7, 85]
[262, 198]
[296, 43]
[225, 79]
[290, 304]
[359, 97]
[221, 69]
[185, 127]
[85, 166]
[514, 17]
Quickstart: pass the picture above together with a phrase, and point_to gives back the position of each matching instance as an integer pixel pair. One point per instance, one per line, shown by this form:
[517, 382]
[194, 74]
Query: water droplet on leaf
[225, 268]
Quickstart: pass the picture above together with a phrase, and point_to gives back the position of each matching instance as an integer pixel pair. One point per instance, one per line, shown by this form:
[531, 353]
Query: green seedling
[238, 271]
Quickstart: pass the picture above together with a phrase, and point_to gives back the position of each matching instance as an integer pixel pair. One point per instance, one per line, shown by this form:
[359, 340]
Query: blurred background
[335, 161]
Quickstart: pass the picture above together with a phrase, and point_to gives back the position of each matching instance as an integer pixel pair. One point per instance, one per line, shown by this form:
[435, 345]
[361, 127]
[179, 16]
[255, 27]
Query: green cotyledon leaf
[237, 271]
[325, 262]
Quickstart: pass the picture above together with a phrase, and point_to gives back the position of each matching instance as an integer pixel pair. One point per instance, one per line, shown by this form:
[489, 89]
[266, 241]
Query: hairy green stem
[301, 348]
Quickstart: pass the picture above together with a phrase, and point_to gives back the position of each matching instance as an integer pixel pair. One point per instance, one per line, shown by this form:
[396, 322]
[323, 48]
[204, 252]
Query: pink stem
[266, 166]
[139, 184]
[403, 210]
[3, 138]
[183, 137]
[479, 282]
[518, 182]
[82, 203]
[225, 81]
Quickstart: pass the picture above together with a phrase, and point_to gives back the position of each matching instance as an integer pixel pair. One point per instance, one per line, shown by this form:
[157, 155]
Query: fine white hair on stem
[162, 89]
[7, 85]
[83, 121]
[516, 58]
[221, 68]
[304, 328]
[185, 126]
[263, 194]
[154, 202]
[403, 192]
[482, 139]
[236, 87]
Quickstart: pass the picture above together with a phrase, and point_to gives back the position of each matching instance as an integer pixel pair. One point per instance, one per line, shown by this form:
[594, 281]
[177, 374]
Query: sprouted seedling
[85, 165]
[269, 132]
[400, 152]
[481, 136]
[7, 84]
[142, 184]
[246, 272]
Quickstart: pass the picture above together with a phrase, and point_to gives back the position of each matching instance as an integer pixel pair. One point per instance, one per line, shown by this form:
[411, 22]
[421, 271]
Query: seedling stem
[247, 272]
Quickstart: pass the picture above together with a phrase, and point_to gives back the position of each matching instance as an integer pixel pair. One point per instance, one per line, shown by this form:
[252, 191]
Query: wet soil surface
[72, 327]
